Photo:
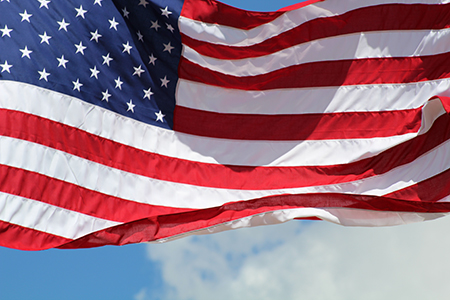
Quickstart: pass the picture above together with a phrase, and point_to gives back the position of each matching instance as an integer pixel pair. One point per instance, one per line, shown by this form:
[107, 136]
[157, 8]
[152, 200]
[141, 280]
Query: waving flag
[126, 121]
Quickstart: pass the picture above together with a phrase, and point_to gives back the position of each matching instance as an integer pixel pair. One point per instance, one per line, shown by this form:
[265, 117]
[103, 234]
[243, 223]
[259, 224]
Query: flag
[127, 121]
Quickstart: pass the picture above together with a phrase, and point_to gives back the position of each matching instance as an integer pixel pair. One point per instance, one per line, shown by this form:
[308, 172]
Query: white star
[155, 25]
[94, 72]
[106, 96]
[80, 11]
[138, 71]
[25, 16]
[170, 27]
[140, 36]
[6, 67]
[168, 47]
[165, 12]
[126, 47]
[44, 38]
[118, 83]
[125, 13]
[63, 25]
[44, 3]
[99, 2]
[43, 74]
[159, 116]
[77, 85]
[106, 59]
[95, 36]
[62, 62]
[143, 3]
[26, 52]
[80, 48]
[6, 31]
[148, 93]
[130, 106]
[164, 81]
[152, 59]
[113, 23]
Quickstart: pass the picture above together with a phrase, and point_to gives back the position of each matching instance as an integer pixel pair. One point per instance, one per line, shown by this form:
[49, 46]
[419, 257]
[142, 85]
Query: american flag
[126, 121]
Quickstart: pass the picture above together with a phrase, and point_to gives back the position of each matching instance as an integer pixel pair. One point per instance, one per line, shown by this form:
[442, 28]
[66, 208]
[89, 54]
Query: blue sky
[296, 260]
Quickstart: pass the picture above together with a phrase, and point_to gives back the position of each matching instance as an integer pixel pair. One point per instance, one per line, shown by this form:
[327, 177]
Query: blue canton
[122, 55]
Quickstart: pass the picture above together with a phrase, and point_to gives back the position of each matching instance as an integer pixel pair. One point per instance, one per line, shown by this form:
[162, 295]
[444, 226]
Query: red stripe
[73, 197]
[299, 5]
[445, 102]
[367, 19]
[17, 237]
[209, 11]
[172, 225]
[432, 189]
[94, 148]
[328, 73]
[348, 125]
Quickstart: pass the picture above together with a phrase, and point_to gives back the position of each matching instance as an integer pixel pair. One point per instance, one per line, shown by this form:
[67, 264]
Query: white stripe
[357, 46]
[383, 97]
[371, 218]
[224, 35]
[342, 216]
[101, 122]
[72, 169]
[432, 163]
[57, 164]
[48, 218]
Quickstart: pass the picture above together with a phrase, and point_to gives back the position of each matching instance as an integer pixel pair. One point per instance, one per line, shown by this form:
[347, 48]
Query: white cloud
[313, 260]
[142, 295]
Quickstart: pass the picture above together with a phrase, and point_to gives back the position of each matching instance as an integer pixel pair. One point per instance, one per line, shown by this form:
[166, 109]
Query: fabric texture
[135, 121]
